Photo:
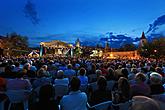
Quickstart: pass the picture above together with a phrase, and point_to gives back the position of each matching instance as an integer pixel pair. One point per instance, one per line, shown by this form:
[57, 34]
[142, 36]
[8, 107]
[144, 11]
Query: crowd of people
[89, 81]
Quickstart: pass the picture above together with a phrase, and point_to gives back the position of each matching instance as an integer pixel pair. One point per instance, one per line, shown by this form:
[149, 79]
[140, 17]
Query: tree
[128, 47]
[16, 42]
[77, 51]
[154, 49]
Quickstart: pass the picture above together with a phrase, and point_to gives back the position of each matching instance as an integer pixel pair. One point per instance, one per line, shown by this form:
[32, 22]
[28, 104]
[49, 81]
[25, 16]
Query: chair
[18, 96]
[61, 90]
[101, 106]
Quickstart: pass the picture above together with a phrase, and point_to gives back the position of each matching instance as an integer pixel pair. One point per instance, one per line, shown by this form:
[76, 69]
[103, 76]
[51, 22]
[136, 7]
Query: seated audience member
[103, 68]
[140, 87]
[82, 76]
[17, 67]
[93, 70]
[46, 99]
[98, 73]
[110, 75]
[45, 70]
[132, 74]
[156, 83]
[69, 72]
[18, 83]
[118, 72]
[41, 79]
[29, 72]
[124, 72]
[60, 80]
[53, 71]
[101, 94]
[121, 91]
[76, 100]
[33, 67]
[144, 103]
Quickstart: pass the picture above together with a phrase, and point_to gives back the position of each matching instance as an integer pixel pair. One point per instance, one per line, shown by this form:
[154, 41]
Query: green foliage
[77, 51]
[128, 47]
[154, 49]
[16, 43]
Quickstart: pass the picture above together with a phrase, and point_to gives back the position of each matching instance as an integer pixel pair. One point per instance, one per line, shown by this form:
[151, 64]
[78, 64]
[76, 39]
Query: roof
[56, 44]
[143, 36]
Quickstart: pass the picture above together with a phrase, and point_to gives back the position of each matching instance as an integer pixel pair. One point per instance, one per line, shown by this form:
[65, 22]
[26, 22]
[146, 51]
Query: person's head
[40, 72]
[93, 67]
[102, 83]
[140, 77]
[144, 103]
[155, 78]
[98, 73]
[120, 67]
[82, 72]
[134, 70]
[134, 66]
[26, 66]
[8, 70]
[110, 71]
[46, 92]
[110, 74]
[23, 72]
[124, 71]
[60, 74]
[124, 86]
[17, 64]
[45, 67]
[75, 83]
[158, 69]
[69, 66]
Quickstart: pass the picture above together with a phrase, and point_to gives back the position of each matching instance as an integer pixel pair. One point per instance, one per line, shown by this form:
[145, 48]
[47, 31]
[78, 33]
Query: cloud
[31, 13]
[158, 22]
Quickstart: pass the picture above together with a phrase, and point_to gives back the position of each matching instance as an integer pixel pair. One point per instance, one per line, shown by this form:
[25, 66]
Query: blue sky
[85, 16]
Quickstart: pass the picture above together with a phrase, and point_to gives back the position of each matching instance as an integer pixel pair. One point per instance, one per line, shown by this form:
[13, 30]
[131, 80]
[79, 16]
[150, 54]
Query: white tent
[33, 54]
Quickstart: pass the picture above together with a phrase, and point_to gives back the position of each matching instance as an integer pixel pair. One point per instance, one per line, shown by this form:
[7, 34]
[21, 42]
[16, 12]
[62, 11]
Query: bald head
[144, 103]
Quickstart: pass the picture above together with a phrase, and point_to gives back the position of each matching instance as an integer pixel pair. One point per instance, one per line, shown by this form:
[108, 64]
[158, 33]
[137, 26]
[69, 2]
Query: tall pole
[41, 50]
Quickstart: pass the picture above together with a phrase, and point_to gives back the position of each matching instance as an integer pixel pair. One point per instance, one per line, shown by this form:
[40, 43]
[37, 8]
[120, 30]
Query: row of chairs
[15, 97]
[18, 96]
[62, 90]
